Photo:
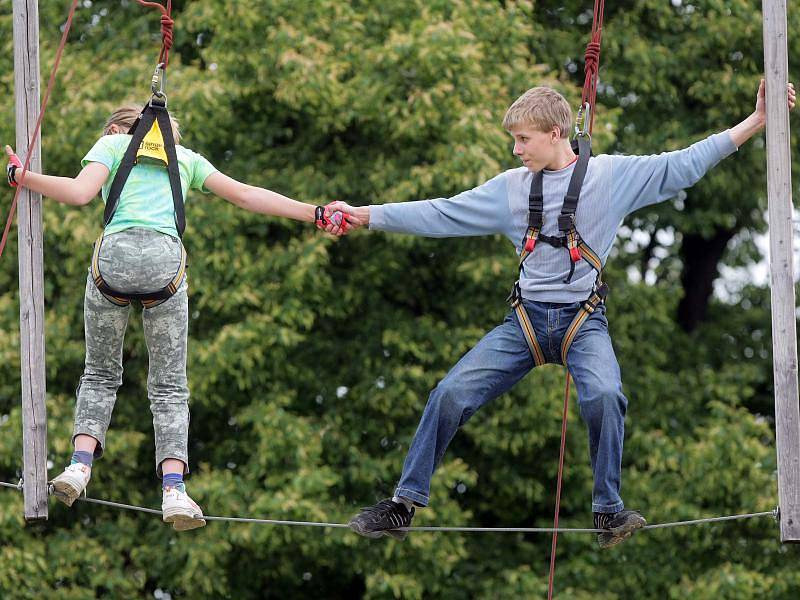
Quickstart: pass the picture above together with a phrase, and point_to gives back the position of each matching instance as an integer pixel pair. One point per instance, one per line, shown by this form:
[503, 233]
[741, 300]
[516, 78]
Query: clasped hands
[339, 218]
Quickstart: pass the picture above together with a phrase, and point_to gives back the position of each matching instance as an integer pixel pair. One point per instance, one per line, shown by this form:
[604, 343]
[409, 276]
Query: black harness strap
[154, 111]
[173, 171]
[566, 219]
[145, 119]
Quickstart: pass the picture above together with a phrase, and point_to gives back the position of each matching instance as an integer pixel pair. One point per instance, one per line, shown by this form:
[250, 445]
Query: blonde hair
[125, 116]
[543, 108]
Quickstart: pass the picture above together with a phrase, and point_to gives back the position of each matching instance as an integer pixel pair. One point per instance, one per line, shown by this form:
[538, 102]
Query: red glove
[324, 216]
[14, 163]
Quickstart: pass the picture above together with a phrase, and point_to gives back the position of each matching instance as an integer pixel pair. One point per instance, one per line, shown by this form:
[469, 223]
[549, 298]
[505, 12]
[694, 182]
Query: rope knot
[592, 57]
[166, 27]
[167, 24]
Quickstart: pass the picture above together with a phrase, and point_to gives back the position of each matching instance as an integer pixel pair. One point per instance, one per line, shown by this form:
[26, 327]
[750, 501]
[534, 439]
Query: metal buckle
[566, 222]
[515, 295]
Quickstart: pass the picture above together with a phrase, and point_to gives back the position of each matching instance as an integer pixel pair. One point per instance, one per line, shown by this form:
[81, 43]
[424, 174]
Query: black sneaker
[383, 519]
[620, 526]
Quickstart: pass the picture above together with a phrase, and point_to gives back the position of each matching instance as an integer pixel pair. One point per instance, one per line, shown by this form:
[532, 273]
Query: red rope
[167, 24]
[592, 61]
[35, 135]
[589, 94]
[558, 492]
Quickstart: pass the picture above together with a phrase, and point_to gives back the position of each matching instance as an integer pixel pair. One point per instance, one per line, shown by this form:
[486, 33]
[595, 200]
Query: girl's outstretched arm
[258, 200]
[263, 201]
[76, 191]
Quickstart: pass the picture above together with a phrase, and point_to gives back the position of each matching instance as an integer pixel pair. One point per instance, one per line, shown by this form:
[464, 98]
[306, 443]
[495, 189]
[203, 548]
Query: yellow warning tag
[151, 150]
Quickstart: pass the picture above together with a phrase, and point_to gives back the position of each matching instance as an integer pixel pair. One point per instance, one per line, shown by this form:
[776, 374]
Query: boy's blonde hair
[125, 116]
[543, 108]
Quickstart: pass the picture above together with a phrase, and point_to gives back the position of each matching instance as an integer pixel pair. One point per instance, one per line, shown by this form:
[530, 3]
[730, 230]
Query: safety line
[552, 571]
[35, 134]
[152, 511]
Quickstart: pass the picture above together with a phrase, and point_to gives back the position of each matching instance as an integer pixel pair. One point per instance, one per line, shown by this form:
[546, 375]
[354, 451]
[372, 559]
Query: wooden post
[31, 288]
[784, 333]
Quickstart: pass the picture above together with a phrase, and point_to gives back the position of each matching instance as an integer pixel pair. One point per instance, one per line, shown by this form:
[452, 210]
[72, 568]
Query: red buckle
[530, 244]
[575, 254]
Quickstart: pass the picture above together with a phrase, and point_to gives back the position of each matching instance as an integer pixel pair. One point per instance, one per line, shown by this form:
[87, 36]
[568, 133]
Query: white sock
[404, 501]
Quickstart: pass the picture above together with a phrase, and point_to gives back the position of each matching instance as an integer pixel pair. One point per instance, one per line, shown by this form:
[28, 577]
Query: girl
[139, 256]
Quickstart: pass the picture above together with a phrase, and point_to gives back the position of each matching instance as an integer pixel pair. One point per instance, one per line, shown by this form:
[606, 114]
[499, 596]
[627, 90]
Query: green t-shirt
[146, 199]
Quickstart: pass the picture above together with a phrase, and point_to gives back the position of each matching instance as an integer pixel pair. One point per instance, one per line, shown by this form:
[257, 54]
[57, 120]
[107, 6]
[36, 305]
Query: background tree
[311, 358]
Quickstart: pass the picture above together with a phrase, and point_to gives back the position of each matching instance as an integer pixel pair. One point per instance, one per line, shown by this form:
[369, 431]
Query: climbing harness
[152, 142]
[571, 240]
[149, 299]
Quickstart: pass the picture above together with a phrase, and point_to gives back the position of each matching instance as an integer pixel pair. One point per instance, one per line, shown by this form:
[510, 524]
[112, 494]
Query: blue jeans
[498, 362]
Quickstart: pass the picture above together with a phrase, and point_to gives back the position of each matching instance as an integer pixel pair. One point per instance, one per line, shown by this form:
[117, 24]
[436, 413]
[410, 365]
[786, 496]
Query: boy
[552, 289]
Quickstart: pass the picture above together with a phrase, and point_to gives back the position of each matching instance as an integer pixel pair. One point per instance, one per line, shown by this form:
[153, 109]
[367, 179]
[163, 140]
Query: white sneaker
[180, 510]
[68, 486]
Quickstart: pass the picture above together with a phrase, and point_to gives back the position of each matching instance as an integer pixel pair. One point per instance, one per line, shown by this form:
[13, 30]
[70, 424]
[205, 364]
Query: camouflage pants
[137, 260]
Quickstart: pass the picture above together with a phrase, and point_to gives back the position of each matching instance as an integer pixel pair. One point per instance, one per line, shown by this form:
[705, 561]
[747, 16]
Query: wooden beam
[31, 288]
[784, 318]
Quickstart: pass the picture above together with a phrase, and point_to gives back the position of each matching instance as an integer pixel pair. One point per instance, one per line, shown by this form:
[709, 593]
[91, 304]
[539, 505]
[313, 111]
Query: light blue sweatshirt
[614, 187]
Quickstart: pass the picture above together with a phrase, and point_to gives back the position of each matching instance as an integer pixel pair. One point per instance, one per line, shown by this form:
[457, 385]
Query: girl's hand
[14, 163]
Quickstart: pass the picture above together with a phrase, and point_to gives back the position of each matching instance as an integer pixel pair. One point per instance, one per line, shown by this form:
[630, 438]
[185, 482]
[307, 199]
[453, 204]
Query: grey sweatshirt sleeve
[638, 181]
[480, 211]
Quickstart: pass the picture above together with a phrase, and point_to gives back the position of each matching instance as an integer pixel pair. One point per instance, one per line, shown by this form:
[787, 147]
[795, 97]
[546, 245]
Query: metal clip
[581, 121]
[159, 81]
[20, 484]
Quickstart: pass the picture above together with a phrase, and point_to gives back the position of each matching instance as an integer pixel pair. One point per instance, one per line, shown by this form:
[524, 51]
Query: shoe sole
[362, 532]
[65, 492]
[183, 522]
[392, 533]
[395, 534]
[622, 532]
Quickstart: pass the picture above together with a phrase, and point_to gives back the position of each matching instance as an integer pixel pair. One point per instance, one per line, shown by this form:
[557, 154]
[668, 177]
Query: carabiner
[581, 120]
[159, 81]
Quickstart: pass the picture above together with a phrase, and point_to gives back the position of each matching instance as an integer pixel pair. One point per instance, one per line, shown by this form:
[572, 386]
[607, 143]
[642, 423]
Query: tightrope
[152, 511]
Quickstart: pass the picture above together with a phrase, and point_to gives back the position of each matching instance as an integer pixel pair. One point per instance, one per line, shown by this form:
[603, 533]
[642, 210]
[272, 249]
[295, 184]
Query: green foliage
[311, 358]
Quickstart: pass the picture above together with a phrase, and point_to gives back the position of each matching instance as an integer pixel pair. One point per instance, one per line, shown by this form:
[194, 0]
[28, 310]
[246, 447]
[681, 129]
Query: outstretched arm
[258, 200]
[480, 211]
[76, 191]
[758, 119]
[639, 181]
[266, 202]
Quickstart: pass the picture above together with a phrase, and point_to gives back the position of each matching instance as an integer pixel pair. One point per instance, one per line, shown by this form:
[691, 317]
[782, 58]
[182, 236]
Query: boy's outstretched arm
[639, 181]
[482, 210]
[758, 119]
[76, 191]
